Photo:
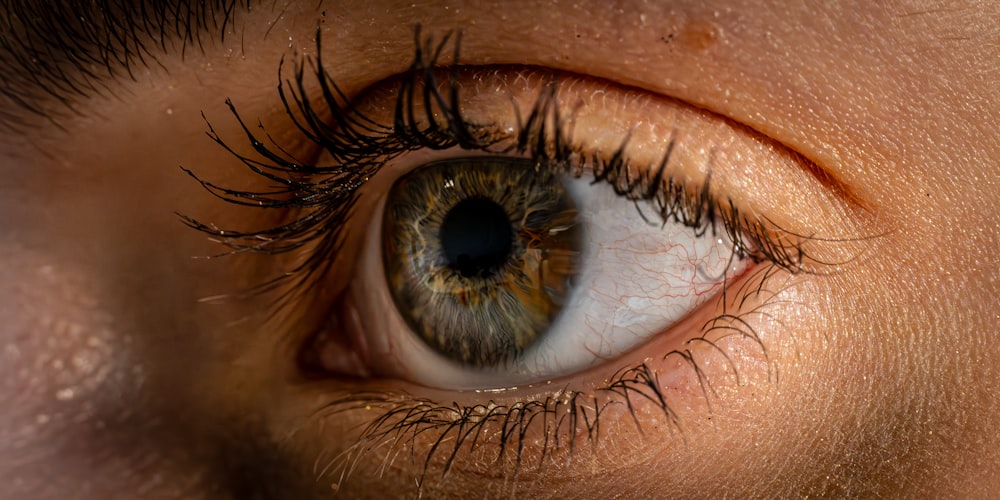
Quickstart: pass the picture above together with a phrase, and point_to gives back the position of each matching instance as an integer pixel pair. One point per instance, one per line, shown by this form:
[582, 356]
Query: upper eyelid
[309, 108]
[857, 214]
[794, 173]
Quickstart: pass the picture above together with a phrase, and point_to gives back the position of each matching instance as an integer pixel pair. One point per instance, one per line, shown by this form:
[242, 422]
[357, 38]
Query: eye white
[637, 276]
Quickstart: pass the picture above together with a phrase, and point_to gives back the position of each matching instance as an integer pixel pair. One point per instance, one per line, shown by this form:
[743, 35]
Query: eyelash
[323, 196]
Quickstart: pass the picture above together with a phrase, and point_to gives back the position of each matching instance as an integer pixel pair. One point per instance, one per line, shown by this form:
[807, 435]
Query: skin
[880, 378]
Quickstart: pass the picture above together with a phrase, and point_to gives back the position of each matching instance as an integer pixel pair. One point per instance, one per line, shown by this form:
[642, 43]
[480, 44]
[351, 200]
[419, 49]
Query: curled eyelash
[324, 195]
[321, 197]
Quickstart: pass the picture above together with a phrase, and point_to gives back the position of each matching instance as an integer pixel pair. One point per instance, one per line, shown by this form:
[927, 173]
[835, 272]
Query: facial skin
[880, 373]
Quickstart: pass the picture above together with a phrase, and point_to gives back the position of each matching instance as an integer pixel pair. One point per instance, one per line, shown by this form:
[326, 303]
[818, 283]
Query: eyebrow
[53, 54]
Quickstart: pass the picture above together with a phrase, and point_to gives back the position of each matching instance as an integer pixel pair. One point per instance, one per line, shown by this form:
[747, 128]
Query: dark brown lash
[324, 195]
[563, 417]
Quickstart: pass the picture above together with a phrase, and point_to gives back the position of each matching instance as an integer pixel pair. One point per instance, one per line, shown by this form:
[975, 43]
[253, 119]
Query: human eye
[631, 256]
[522, 276]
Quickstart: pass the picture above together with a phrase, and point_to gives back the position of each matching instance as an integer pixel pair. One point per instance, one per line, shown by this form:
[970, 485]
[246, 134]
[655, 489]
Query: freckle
[699, 35]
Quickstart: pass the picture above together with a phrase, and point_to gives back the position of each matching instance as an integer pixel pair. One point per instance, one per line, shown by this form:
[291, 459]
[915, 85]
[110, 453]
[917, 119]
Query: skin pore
[132, 369]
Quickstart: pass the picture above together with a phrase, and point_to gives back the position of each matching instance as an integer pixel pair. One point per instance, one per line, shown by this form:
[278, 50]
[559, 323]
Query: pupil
[476, 237]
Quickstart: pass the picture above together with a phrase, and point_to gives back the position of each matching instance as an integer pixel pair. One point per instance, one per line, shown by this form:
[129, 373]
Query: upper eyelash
[323, 196]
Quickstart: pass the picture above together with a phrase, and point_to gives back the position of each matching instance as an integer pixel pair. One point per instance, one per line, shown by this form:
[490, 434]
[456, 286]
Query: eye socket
[722, 186]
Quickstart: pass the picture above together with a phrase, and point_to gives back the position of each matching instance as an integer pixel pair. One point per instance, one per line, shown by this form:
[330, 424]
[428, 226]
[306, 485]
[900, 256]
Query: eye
[511, 274]
[560, 235]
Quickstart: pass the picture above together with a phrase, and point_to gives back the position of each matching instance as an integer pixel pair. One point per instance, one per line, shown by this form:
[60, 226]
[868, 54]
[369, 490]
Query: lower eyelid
[665, 390]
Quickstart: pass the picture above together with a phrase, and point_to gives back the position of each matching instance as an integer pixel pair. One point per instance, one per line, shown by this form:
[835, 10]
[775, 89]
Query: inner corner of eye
[486, 272]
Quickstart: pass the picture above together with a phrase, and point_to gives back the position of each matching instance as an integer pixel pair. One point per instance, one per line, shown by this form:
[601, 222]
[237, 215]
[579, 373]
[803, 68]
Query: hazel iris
[480, 254]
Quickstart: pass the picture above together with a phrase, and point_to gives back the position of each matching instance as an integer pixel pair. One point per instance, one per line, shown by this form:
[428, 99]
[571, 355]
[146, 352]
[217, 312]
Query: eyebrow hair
[53, 54]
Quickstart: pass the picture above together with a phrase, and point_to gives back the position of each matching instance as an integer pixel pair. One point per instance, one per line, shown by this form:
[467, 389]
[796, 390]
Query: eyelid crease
[835, 184]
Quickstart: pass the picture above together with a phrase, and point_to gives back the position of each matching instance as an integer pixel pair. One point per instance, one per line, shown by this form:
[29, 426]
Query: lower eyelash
[323, 197]
[562, 418]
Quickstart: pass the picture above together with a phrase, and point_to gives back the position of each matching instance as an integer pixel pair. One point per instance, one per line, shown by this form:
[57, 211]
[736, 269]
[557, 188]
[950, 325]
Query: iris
[480, 254]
